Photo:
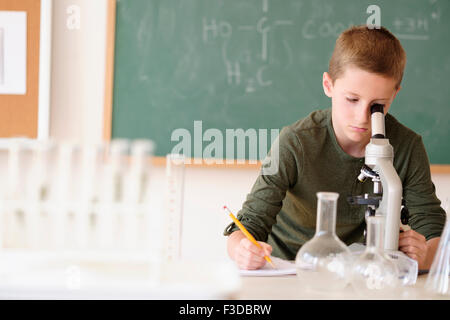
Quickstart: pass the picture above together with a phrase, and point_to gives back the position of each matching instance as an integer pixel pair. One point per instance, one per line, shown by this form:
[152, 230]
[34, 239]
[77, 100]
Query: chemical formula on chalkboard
[213, 29]
[316, 26]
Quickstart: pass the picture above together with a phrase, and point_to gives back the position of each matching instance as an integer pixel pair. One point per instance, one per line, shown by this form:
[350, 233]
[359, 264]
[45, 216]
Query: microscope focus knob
[370, 212]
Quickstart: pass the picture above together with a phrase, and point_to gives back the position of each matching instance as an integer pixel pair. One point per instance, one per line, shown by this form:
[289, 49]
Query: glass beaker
[322, 262]
[373, 273]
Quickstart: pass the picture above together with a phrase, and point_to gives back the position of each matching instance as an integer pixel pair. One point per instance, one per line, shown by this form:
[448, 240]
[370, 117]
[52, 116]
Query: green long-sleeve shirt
[281, 207]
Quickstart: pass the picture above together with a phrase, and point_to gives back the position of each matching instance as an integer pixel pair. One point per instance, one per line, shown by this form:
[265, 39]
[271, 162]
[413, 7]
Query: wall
[206, 192]
[78, 67]
[78, 60]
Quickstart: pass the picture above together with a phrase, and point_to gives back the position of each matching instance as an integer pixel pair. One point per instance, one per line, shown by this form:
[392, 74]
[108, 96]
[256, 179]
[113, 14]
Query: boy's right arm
[246, 255]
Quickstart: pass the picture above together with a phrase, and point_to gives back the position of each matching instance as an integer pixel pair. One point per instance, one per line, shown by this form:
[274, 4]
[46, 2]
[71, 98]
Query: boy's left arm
[415, 246]
[426, 216]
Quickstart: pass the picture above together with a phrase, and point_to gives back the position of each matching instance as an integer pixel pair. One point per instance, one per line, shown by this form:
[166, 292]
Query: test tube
[39, 177]
[112, 191]
[141, 151]
[136, 190]
[15, 199]
[153, 226]
[8, 216]
[61, 201]
[15, 165]
[173, 212]
[39, 186]
[90, 158]
[114, 169]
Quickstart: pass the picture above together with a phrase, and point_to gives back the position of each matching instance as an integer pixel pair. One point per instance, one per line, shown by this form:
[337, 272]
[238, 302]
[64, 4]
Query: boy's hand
[246, 255]
[250, 257]
[414, 245]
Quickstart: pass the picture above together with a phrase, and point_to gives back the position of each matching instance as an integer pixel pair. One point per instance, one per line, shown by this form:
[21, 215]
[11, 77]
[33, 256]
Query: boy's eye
[352, 99]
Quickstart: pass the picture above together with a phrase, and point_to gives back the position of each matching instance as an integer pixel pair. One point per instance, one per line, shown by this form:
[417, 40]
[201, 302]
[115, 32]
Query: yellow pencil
[247, 234]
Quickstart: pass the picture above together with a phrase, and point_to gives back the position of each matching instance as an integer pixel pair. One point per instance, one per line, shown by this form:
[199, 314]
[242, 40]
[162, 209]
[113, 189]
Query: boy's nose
[364, 115]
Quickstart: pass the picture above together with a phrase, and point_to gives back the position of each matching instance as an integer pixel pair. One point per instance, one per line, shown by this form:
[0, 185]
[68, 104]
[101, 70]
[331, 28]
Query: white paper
[13, 59]
[2, 62]
[283, 267]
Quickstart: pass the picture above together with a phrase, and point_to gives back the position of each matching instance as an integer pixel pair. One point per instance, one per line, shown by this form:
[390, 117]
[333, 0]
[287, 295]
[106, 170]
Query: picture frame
[26, 114]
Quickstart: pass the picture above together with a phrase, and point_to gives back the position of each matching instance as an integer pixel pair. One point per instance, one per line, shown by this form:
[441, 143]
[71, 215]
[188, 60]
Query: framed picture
[25, 59]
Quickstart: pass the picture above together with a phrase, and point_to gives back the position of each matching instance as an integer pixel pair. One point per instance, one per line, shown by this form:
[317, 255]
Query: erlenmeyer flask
[322, 262]
[438, 278]
[373, 273]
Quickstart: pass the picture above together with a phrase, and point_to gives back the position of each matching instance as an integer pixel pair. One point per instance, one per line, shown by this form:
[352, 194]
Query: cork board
[19, 113]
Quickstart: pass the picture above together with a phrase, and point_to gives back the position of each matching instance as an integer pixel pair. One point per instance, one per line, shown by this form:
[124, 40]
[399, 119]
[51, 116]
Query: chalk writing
[213, 30]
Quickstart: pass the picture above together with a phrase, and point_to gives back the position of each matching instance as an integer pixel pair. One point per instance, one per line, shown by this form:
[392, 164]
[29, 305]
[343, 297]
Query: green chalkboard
[259, 63]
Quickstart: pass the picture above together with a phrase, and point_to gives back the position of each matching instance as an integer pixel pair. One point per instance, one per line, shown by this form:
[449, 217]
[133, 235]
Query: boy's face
[352, 95]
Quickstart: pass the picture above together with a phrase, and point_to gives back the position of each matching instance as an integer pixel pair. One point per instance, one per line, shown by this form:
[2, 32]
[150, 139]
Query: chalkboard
[259, 63]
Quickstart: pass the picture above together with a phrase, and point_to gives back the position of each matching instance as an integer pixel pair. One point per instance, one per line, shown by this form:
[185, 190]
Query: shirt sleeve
[426, 214]
[279, 172]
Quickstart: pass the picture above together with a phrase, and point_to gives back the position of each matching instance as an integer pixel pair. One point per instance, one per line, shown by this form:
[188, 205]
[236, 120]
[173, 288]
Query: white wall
[442, 183]
[78, 71]
[206, 192]
[78, 64]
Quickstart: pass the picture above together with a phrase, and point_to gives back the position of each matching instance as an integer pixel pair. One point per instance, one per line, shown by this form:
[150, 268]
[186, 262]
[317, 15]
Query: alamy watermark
[212, 146]
[73, 277]
[374, 20]
[73, 21]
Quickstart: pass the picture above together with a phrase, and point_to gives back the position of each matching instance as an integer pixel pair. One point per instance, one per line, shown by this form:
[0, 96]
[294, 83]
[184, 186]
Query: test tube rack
[64, 197]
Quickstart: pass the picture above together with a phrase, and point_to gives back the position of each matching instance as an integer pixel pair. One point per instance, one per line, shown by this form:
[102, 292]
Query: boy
[325, 152]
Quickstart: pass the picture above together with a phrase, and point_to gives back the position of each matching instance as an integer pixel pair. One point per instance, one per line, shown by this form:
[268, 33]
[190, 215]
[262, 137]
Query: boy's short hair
[373, 50]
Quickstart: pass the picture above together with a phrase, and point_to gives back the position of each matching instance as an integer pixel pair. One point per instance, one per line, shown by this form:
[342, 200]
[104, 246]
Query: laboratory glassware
[438, 278]
[374, 274]
[322, 262]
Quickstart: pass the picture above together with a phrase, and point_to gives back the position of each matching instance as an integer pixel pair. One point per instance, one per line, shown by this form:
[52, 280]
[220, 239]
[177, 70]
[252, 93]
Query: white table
[289, 288]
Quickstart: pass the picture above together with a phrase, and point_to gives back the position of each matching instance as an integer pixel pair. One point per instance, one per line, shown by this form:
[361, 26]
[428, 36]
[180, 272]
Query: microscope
[386, 199]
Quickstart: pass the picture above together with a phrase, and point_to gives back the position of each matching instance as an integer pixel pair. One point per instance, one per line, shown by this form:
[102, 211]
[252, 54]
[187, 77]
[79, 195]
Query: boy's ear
[395, 94]
[327, 84]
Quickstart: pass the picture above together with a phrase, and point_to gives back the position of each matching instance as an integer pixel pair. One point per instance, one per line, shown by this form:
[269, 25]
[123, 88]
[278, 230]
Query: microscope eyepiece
[377, 119]
[377, 107]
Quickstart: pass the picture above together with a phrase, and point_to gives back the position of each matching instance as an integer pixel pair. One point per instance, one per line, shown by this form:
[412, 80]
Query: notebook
[283, 267]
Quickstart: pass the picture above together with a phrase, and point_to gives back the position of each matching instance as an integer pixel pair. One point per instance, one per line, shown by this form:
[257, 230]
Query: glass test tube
[15, 166]
[112, 192]
[141, 151]
[39, 175]
[15, 194]
[10, 222]
[90, 165]
[61, 197]
[115, 164]
[136, 190]
[38, 192]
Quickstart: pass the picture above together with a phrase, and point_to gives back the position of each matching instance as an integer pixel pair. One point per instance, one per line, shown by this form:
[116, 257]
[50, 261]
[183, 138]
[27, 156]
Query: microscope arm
[390, 205]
